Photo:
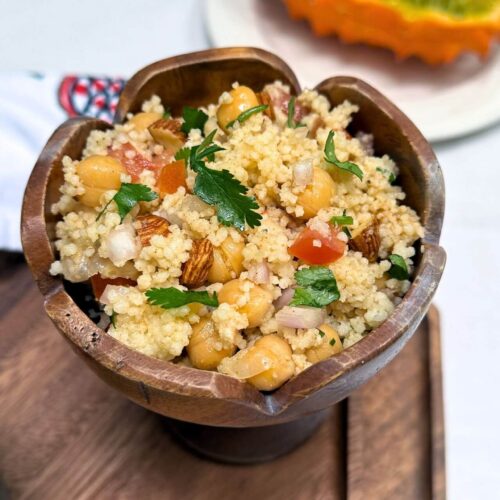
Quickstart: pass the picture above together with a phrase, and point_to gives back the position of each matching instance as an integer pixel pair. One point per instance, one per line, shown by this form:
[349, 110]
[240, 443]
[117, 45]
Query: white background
[118, 37]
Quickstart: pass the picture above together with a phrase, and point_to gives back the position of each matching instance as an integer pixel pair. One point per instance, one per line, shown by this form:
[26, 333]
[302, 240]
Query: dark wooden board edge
[362, 481]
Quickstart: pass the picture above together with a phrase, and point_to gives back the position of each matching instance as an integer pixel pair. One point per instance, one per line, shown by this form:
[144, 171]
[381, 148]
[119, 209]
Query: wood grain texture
[210, 398]
[64, 434]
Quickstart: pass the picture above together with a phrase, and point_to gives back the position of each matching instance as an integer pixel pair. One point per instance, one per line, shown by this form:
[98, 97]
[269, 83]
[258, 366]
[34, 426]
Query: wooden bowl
[209, 398]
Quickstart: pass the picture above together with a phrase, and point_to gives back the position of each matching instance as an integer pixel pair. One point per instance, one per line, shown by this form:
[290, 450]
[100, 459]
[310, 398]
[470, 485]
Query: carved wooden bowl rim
[182, 380]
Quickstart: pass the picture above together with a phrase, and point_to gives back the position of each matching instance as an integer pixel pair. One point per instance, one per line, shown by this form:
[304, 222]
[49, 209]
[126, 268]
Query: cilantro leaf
[243, 117]
[127, 197]
[193, 118]
[321, 333]
[390, 176]
[317, 287]
[332, 342]
[171, 297]
[220, 188]
[399, 269]
[182, 154]
[291, 114]
[331, 157]
[227, 194]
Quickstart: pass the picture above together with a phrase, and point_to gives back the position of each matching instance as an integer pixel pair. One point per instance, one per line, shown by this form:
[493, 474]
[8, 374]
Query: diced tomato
[172, 177]
[307, 247]
[135, 163]
[99, 283]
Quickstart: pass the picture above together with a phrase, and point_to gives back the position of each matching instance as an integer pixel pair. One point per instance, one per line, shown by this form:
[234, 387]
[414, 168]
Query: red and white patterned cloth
[31, 107]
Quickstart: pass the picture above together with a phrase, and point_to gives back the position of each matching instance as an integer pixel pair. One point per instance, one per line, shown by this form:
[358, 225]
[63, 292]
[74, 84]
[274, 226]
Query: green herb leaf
[291, 114]
[227, 194]
[399, 269]
[317, 287]
[167, 114]
[171, 297]
[332, 342]
[183, 154]
[247, 114]
[342, 220]
[127, 197]
[321, 333]
[206, 149]
[331, 157]
[390, 176]
[346, 231]
[193, 118]
[112, 318]
[221, 189]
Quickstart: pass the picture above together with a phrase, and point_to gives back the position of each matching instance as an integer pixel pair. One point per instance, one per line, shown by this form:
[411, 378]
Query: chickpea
[201, 348]
[279, 355]
[318, 194]
[243, 98]
[98, 174]
[142, 121]
[228, 261]
[259, 302]
[330, 345]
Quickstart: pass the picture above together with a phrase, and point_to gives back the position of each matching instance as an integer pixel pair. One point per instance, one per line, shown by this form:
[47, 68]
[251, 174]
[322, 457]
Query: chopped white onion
[259, 273]
[284, 299]
[121, 244]
[300, 317]
[173, 218]
[193, 203]
[303, 172]
[105, 297]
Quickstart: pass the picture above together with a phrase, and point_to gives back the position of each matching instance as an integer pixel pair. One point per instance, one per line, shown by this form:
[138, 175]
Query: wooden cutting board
[385, 442]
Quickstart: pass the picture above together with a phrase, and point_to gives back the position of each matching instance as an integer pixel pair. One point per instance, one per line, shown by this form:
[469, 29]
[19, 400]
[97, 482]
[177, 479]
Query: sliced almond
[265, 98]
[149, 225]
[195, 270]
[367, 241]
[168, 133]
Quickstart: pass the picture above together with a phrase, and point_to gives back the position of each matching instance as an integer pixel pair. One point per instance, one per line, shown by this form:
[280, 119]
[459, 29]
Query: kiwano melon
[437, 31]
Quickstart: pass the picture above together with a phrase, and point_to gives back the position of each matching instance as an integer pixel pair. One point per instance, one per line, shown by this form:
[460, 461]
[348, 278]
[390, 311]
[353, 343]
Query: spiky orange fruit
[437, 31]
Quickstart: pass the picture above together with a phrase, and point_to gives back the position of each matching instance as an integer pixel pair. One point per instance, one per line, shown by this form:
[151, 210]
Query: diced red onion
[284, 299]
[303, 172]
[259, 273]
[300, 317]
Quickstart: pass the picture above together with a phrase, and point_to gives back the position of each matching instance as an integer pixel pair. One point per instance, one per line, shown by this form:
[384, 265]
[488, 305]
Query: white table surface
[117, 37]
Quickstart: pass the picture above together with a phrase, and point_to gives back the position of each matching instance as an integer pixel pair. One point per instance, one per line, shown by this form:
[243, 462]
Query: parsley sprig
[317, 287]
[127, 197]
[245, 115]
[171, 297]
[331, 158]
[399, 269]
[291, 114]
[220, 188]
[193, 118]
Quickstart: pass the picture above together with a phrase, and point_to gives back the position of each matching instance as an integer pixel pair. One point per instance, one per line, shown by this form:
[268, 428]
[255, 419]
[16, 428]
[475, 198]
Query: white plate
[444, 102]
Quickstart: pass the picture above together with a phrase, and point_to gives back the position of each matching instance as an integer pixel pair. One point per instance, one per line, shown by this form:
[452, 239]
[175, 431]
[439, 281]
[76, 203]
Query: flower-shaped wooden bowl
[209, 398]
